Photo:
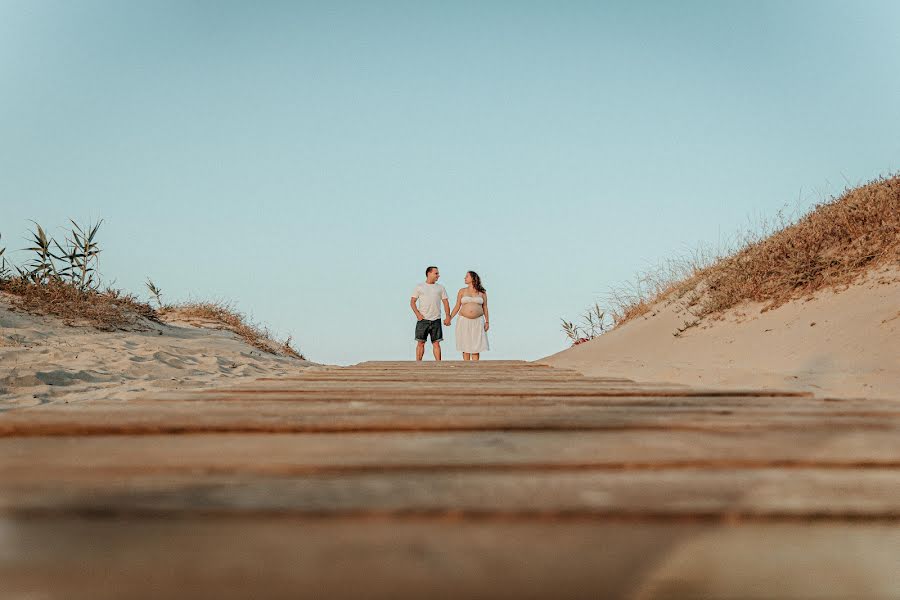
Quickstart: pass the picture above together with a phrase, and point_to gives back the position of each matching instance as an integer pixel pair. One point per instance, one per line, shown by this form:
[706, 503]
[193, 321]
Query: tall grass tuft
[833, 245]
[41, 269]
[594, 322]
[777, 260]
[4, 266]
[155, 291]
[74, 262]
[82, 254]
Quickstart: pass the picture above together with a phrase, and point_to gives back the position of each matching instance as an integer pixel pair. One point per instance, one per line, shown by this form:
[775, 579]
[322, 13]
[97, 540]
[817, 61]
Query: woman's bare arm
[487, 320]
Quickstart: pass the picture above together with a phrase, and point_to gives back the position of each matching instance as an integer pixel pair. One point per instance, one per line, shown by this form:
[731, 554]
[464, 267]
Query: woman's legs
[466, 356]
[475, 356]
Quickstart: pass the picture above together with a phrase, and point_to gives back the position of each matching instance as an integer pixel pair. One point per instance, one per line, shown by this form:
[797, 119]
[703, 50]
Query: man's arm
[446, 301]
[455, 308]
[415, 309]
[447, 310]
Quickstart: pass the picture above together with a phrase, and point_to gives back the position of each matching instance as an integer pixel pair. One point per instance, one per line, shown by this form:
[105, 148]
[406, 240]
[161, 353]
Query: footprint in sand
[62, 377]
[174, 360]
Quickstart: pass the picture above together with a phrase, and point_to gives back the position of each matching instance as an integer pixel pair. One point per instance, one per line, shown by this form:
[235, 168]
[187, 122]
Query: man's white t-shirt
[429, 297]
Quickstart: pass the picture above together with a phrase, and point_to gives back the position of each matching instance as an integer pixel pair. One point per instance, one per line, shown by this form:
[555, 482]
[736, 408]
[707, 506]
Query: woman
[473, 323]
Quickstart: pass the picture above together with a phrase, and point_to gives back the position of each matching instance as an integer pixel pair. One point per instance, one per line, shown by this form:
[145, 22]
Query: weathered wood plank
[437, 377]
[773, 493]
[489, 364]
[448, 558]
[657, 396]
[486, 390]
[54, 458]
[135, 417]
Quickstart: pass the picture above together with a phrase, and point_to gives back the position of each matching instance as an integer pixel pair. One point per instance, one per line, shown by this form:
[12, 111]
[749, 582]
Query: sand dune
[843, 342]
[43, 360]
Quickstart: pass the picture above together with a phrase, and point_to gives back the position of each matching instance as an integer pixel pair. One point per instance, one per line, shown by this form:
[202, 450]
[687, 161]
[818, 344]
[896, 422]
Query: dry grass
[674, 278]
[835, 243]
[831, 246]
[111, 310]
[107, 309]
[218, 315]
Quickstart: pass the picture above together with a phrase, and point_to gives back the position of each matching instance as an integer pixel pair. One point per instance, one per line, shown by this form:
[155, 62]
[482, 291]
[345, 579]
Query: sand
[841, 343]
[43, 360]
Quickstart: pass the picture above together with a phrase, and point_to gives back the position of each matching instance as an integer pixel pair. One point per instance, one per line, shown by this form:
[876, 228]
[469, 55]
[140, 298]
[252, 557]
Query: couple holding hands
[471, 304]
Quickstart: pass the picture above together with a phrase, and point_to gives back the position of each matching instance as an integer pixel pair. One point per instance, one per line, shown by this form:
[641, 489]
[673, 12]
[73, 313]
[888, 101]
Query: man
[426, 305]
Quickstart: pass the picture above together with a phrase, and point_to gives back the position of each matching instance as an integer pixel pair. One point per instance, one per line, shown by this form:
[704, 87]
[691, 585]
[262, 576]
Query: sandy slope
[43, 360]
[839, 343]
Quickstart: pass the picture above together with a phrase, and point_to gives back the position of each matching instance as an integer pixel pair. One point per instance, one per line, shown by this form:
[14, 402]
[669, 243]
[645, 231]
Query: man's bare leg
[476, 356]
[420, 350]
[466, 355]
[436, 348]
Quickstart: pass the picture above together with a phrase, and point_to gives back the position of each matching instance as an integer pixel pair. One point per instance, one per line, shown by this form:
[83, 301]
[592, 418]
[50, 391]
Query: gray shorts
[426, 328]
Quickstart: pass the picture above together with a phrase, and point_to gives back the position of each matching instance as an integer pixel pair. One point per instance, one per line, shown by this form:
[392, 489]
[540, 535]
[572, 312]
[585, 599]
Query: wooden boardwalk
[497, 479]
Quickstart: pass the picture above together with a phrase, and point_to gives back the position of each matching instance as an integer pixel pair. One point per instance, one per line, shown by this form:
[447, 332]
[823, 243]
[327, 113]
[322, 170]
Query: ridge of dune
[842, 342]
[44, 360]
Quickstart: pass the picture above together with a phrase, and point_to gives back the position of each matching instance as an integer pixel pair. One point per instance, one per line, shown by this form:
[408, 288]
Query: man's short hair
[429, 270]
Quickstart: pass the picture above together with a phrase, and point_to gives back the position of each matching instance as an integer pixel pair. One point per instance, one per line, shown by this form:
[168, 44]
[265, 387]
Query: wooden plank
[454, 367]
[447, 364]
[500, 388]
[374, 390]
[154, 417]
[54, 458]
[289, 558]
[481, 380]
[500, 401]
[503, 405]
[447, 378]
[767, 493]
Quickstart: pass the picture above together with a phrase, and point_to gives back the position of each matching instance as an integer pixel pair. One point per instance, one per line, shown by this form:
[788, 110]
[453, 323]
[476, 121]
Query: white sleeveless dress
[470, 334]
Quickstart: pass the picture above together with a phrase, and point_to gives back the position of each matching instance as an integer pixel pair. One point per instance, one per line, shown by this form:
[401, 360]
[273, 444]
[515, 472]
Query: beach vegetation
[778, 260]
[222, 315]
[593, 322]
[155, 292]
[62, 279]
[4, 266]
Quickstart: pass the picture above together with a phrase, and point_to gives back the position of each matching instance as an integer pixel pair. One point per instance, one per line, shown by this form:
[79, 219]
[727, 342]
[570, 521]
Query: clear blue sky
[308, 160]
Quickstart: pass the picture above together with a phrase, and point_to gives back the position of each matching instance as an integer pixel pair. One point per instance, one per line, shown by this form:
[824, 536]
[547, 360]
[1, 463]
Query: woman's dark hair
[476, 281]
